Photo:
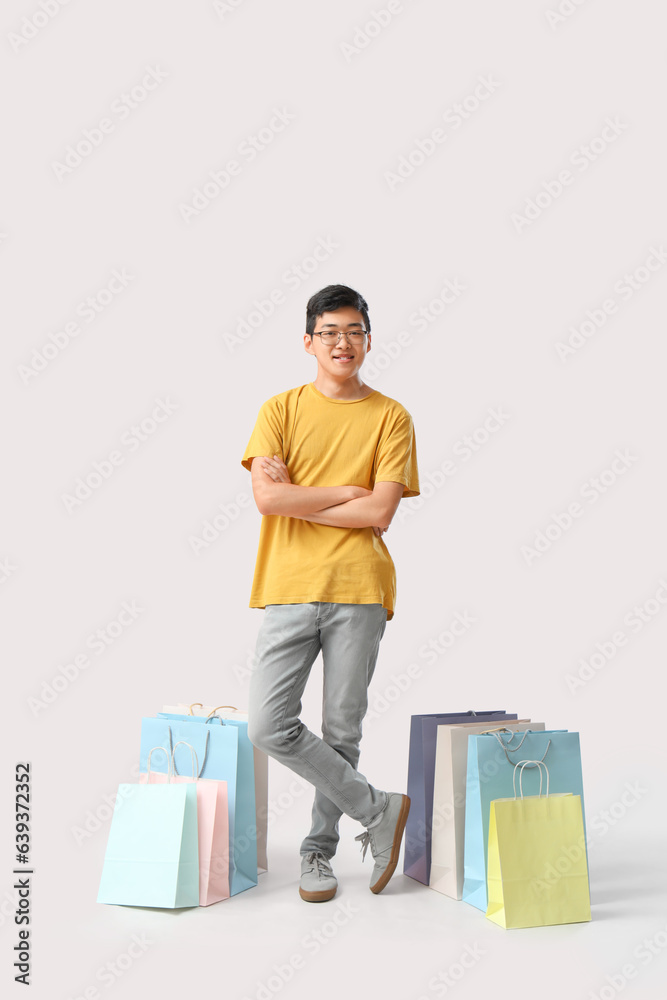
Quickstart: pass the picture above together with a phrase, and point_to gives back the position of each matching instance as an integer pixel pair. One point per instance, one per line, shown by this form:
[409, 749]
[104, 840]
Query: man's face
[345, 358]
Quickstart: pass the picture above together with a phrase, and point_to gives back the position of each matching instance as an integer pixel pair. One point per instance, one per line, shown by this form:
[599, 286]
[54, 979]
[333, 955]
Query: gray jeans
[289, 640]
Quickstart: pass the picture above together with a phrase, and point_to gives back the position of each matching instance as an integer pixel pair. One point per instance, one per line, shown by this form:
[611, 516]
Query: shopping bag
[260, 763]
[218, 754]
[152, 854]
[421, 772]
[537, 868]
[491, 759]
[449, 796]
[212, 826]
[246, 826]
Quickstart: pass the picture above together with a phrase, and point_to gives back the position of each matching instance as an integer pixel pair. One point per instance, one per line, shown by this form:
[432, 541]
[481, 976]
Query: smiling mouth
[343, 357]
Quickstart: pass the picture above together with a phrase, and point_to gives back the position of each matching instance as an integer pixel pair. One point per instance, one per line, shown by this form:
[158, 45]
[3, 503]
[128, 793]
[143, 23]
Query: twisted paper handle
[169, 764]
[521, 764]
[193, 755]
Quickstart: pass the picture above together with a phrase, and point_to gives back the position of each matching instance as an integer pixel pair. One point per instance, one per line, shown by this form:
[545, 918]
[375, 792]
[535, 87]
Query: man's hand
[276, 469]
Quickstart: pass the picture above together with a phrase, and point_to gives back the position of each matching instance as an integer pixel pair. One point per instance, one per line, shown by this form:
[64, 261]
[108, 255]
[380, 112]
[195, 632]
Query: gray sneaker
[318, 881]
[385, 839]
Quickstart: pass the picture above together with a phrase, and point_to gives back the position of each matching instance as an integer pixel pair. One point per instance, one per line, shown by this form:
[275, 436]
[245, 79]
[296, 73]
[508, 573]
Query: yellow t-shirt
[330, 442]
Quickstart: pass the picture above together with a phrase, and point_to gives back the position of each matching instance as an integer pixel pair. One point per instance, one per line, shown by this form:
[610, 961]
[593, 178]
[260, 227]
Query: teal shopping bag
[152, 855]
[222, 755]
[491, 761]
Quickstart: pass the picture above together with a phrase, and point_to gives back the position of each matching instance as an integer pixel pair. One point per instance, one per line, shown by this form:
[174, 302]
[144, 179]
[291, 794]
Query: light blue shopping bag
[489, 776]
[222, 754]
[152, 855]
[246, 817]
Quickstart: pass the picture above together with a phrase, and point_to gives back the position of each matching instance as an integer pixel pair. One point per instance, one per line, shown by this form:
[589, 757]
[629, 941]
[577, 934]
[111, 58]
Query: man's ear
[368, 343]
[308, 343]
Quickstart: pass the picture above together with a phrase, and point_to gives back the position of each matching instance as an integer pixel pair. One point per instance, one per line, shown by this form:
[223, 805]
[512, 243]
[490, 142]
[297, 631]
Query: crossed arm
[338, 506]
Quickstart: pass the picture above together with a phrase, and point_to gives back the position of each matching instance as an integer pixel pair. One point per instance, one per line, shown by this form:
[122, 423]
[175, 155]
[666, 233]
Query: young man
[330, 461]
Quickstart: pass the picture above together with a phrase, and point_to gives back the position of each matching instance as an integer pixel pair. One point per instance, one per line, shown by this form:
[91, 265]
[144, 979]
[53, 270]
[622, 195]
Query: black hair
[330, 299]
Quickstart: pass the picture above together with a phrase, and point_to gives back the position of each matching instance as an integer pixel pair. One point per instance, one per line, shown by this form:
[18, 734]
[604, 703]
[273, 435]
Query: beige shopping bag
[449, 796]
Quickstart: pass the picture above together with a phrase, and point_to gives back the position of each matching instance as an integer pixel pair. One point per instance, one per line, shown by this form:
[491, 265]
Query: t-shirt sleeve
[396, 460]
[267, 436]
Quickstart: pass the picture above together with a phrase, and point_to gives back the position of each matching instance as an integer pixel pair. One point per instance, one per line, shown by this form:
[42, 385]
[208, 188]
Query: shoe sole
[317, 897]
[395, 847]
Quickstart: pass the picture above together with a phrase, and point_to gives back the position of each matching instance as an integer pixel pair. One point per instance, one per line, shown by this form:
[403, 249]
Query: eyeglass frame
[341, 333]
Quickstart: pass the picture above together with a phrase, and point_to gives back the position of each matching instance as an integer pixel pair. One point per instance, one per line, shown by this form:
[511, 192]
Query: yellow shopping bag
[537, 870]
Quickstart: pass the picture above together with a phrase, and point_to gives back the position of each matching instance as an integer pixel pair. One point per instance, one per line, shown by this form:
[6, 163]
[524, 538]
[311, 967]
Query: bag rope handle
[521, 764]
[169, 764]
[172, 748]
[507, 748]
[193, 757]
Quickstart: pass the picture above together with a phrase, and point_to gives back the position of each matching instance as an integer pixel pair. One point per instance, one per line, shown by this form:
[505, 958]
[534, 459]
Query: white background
[359, 100]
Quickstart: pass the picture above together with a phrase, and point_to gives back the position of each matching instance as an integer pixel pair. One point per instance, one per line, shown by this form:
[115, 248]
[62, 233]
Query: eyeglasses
[329, 337]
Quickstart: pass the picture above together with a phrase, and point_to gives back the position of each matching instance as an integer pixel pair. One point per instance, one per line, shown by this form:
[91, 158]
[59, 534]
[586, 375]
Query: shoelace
[365, 839]
[319, 862]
